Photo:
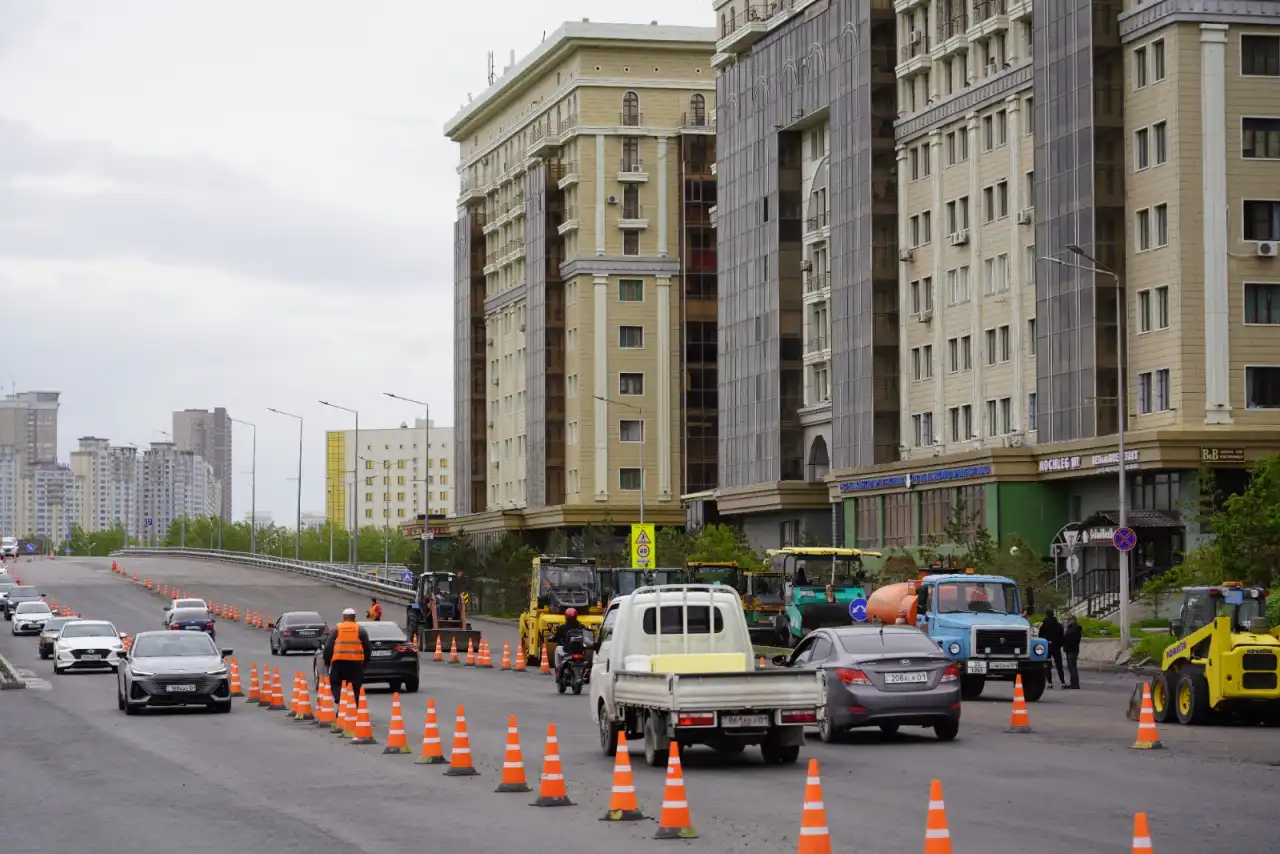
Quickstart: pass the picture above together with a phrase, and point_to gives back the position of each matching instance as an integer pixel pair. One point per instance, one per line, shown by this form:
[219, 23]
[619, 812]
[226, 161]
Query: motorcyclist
[564, 632]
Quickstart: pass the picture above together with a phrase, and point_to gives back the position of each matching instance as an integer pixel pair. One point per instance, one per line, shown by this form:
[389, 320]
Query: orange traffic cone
[506, 655]
[396, 740]
[762, 662]
[303, 711]
[291, 705]
[1148, 737]
[471, 654]
[364, 726]
[937, 838]
[623, 805]
[460, 764]
[513, 779]
[339, 724]
[545, 666]
[485, 659]
[349, 722]
[814, 836]
[277, 692]
[439, 656]
[520, 663]
[1141, 834]
[675, 823]
[552, 792]
[453, 651]
[236, 691]
[431, 752]
[325, 713]
[1019, 720]
[253, 684]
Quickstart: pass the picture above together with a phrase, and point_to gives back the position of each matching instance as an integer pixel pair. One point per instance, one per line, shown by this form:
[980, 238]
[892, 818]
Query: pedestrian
[346, 651]
[1051, 631]
[375, 611]
[1071, 647]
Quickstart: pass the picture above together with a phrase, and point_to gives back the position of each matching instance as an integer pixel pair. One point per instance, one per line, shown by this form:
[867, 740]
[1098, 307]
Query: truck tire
[776, 754]
[971, 686]
[1033, 682]
[1163, 692]
[656, 743]
[608, 732]
[1192, 698]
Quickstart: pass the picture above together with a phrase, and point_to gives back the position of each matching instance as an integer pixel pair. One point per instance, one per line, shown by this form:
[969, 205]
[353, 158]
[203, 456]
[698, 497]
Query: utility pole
[297, 542]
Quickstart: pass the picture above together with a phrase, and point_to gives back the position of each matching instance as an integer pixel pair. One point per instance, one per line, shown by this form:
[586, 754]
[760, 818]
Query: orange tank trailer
[894, 603]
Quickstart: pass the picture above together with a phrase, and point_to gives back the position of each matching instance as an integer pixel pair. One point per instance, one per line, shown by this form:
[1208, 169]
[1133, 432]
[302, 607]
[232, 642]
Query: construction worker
[375, 611]
[346, 652]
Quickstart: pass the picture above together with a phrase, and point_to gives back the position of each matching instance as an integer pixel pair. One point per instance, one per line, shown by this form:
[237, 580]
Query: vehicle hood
[100, 642]
[963, 622]
[33, 618]
[180, 664]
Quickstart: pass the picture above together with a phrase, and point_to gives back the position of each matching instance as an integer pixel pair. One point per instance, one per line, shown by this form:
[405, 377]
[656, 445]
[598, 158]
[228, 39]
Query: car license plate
[381, 653]
[906, 678]
[309, 632]
[181, 689]
[977, 668]
[91, 658]
[1004, 665]
[194, 628]
[744, 720]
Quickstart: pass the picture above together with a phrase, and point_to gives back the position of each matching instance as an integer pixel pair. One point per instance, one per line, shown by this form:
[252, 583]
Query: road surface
[79, 775]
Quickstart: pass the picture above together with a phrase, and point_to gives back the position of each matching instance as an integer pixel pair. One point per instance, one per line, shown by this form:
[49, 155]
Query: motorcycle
[575, 669]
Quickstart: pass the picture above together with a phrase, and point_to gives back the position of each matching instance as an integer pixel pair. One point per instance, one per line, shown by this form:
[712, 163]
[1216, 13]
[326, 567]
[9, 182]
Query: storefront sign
[1113, 458]
[1222, 455]
[908, 481]
[1060, 464]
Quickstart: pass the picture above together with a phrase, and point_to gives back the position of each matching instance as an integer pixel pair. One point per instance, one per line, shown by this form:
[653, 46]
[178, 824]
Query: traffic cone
[303, 712]
[340, 718]
[762, 663]
[471, 654]
[353, 714]
[439, 656]
[675, 823]
[291, 705]
[431, 752]
[1148, 737]
[814, 836]
[460, 764]
[253, 684]
[1019, 720]
[453, 651]
[396, 740]
[623, 805]
[513, 779]
[1141, 834]
[324, 703]
[937, 838]
[235, 678]
[275, 698]
[545, 666]
[506, 655]
[551, 793]
[520, 663]
[364, 726]
[485, 659]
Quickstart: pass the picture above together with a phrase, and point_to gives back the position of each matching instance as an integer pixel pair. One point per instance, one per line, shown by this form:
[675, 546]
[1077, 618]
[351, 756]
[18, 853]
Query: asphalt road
[76, 774]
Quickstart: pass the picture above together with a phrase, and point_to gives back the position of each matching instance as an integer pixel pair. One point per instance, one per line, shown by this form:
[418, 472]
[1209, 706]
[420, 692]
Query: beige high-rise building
[389, 477]
[585, 281]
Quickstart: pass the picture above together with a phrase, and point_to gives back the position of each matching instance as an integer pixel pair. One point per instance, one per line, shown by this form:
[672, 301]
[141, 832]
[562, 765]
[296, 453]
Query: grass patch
[1151, 648]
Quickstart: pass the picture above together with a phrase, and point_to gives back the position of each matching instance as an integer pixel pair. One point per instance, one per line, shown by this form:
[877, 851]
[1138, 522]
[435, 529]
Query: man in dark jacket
[1071, 646]
[346, 652]
[1051, 631]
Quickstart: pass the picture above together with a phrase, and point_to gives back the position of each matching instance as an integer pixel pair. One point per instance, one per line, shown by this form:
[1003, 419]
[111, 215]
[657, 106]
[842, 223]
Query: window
[1144, 393]
[631, 290]
[996, 274]
[1032, 420]
[1141, 148]
[922, 429]
[399, 496]
[1162, 225]
[921, 165]
[1162, 390]
[1261, 220]
[1261, 303]
[629, 480]
[1139, 68]
[961, 423]
[631, 430]
[1031, 337]
[1262, 386]
[630, 243]
[991, 346]
[993, 418]
[1029, 264]
[995, 129]
[957, 214]
[631, 337]
[1260, 56]
[817, 144]
[1162, 307]
[1160, 142]
[368, 481]
[368, 514]
[921, 229]
[1144, 229]
[1157, 60]
[400, 480]
[1004, 344]
[957, 147]
[630, 109]
[995, 201]
[958, 285]
[1260, 139]
[630, 383]
[926, 357]
[399, 464]
[960, 354]
[1144, 311]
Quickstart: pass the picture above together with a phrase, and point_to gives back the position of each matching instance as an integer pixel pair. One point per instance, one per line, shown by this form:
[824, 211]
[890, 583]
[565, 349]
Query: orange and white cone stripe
[1148, 736]
[513, 777]
[1019, 720]
[432, 754]
[814, 836]
[937, 837]
[1141, 834]
[623, 805]
[674, 822]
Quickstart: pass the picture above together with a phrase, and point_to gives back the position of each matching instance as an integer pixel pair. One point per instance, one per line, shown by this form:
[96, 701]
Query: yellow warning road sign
[643, 547]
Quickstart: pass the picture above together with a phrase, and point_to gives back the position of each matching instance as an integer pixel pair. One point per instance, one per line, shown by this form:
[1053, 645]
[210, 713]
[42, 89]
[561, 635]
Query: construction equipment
[620, 582]
[1224, 663]
[557, 584]
[761, 591]
[439, 610]
[820, 583]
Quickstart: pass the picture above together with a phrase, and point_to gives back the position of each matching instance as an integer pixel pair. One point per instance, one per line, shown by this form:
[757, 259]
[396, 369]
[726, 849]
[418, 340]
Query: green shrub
[1151, 648]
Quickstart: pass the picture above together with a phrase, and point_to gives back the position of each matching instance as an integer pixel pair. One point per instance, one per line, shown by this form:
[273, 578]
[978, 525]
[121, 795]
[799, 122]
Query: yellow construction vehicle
[557, 584]
[1224, 663]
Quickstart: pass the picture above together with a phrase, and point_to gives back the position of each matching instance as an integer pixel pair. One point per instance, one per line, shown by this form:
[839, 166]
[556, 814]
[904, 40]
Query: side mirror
[781, 660]
[226, 653]
[922, 599]
[1175, 628]
[123, 635]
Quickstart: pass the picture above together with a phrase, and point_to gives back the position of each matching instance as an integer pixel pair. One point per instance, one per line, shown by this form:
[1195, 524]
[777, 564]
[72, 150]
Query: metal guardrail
[365, 577]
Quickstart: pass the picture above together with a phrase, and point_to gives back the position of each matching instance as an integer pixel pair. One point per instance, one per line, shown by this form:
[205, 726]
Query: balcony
[989, 17]
[631, 171]
[515, 207]
[743, 29]
[543, 142]
[1019, 9]
[900, 6]
[913, 57]
[568, 174]
[951, 37]
[471, 190]
[567, 124]
[816, 345]
[696, 120]
[817, 283]
[569, 223]
[633, 218]
[631, 119]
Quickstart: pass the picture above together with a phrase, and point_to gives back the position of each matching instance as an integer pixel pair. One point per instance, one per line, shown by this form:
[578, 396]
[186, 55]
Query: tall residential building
[1141, 134]
[91, 469]
[585, 281]
[209, 435]
[47, 503]
[175, 484]
[393, 474]
[29, 421]
[10, 492]
[124, 492]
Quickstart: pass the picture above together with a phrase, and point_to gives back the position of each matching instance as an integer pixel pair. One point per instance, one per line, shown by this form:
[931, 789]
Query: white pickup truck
[679, 677]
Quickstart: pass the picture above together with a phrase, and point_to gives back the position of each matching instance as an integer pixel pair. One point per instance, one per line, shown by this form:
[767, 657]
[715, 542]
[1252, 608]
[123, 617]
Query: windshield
[564, 576]
[33, 608]
[56, 624]
[90, 630]
[303, 618]
[631, 580]
[182, 614]
[764, 587]
[174, 644]
[383, 631]
[188, 603]
[24, 593]
[817, 571]
[864, 642]
[986, 597]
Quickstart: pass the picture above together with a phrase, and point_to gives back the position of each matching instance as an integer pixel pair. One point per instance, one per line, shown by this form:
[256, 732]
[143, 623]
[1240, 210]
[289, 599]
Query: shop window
[899, 527]
[868, 510]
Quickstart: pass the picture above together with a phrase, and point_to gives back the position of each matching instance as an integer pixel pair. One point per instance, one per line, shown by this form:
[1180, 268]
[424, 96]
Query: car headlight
[1039, 649]
[221, 671]
[954, 649]
[145, 674]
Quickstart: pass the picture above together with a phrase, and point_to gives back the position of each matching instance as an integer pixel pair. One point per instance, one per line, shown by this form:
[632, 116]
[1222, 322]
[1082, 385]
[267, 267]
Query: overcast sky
[245, 204]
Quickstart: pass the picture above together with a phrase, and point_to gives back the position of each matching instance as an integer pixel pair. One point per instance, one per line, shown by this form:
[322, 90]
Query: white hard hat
[350, 612]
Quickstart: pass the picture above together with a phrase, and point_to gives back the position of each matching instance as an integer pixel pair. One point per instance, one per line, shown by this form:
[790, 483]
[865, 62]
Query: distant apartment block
[175, 484]
[209, 435]
[389, 475]
[29, 422]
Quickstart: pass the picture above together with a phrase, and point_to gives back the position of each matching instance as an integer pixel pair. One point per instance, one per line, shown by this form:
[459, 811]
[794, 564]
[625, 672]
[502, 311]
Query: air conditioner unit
[613, 200]
[522, 327]
[490, 342]
[959, 238]
[1026, 215]
[914, 38]
[926, 316]
[490, 423]
[907, 255]
[993, 67]
[1267, 249]
[495, 380]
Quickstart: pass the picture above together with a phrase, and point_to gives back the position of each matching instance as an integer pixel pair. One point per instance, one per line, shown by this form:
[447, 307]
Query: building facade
[91, 469]
[29, 422]
[10, 492]
[208, 434]
[124, 492]
[47, 506]
[585, 281]
[389, 476]
[175, 484]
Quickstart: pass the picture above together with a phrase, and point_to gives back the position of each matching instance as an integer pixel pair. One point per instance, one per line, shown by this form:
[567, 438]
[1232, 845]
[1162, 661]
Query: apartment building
[10, 492]
[585, 280]
[175, 484]
[47, 502]
[385, 477]
[208, 434]
[91, 470]
[29, 422]
[124, 491]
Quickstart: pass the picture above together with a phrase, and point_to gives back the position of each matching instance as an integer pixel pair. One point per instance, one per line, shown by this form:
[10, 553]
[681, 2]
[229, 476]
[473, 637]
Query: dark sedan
[890, 676]
[297, 630]
[393, 658]
[17, 595]
[190, 620]
[49, 634]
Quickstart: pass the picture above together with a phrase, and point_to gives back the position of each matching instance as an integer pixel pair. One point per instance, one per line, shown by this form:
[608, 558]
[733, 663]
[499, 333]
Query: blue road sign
[30, 548]
[407, 578]
[68, 550]
[148, 523]
[1124, 539]
[858, 609]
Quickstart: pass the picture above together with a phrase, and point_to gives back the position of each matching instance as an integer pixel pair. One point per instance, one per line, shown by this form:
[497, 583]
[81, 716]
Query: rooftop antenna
[491, 75]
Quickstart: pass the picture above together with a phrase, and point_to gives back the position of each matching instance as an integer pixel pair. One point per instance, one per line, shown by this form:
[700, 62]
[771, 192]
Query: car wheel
[120, 703]
[774, 754]
[608, 732]
[58, 671]
[947, 730]
[889, 729]
[44, 655]
[273, 648]
[1192, 698]
[394, 687]
[411, 686]
[221, 708]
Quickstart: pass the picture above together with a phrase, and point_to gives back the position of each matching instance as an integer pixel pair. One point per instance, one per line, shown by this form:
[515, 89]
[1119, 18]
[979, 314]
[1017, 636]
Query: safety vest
[375, 613]
[347, 646]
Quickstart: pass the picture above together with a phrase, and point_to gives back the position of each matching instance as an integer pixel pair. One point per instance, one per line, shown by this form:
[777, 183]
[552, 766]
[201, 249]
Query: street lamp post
[644, 436]
[297, 540]
[355, 526]
[426, 476]
[253, 489]
[1122, 407]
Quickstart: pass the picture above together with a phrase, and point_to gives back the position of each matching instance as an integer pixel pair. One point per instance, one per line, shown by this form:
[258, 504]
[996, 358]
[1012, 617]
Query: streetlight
[644, 434]
[355, 520]
[1122, 408]
[253, 489]
[297, 542]
[426, 476]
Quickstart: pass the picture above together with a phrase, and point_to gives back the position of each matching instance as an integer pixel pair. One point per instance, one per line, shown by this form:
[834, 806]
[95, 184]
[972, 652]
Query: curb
[1122, 669]
[9, 678]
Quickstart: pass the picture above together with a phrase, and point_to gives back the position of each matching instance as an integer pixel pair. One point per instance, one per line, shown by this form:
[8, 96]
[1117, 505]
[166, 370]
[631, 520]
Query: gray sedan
[174, 669]
[888, 676]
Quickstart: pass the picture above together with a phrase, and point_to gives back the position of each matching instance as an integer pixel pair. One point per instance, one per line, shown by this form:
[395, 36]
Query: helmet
[570, 612]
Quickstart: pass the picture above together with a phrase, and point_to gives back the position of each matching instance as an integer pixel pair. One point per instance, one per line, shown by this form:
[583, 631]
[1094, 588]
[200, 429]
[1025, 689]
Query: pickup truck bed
[761, 689]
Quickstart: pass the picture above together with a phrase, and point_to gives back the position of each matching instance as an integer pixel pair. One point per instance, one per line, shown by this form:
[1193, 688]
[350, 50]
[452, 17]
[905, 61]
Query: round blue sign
[1124, 539]
[858, 609]
[30, 547]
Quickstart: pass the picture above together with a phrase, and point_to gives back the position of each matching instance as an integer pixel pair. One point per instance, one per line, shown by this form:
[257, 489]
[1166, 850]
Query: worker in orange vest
[375, 611]
[346, 652]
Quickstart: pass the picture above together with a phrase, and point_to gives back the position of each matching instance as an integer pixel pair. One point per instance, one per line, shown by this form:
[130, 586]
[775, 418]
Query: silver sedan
[890, 676]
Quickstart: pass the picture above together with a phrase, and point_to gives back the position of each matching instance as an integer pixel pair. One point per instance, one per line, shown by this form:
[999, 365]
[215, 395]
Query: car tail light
[852, 676]
[697, 719]
[289, 632]
[175, 627]
[208, 626]
[404, 647]
[798, 718]
[951, 674]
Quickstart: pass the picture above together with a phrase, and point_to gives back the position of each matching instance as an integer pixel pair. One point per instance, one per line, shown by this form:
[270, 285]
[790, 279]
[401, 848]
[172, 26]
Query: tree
[506, 572]
[719, 543]
[600, 540]
[672, 547]
[1246, 535]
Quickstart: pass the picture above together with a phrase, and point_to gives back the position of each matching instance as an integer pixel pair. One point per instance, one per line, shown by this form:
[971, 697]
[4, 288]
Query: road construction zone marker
[1148, 736]
[1019, 720]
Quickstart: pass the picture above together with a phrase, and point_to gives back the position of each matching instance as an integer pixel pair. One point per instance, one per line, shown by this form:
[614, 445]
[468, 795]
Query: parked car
[190, 619]
[393, 658]
[167, 669]
[297, 630]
